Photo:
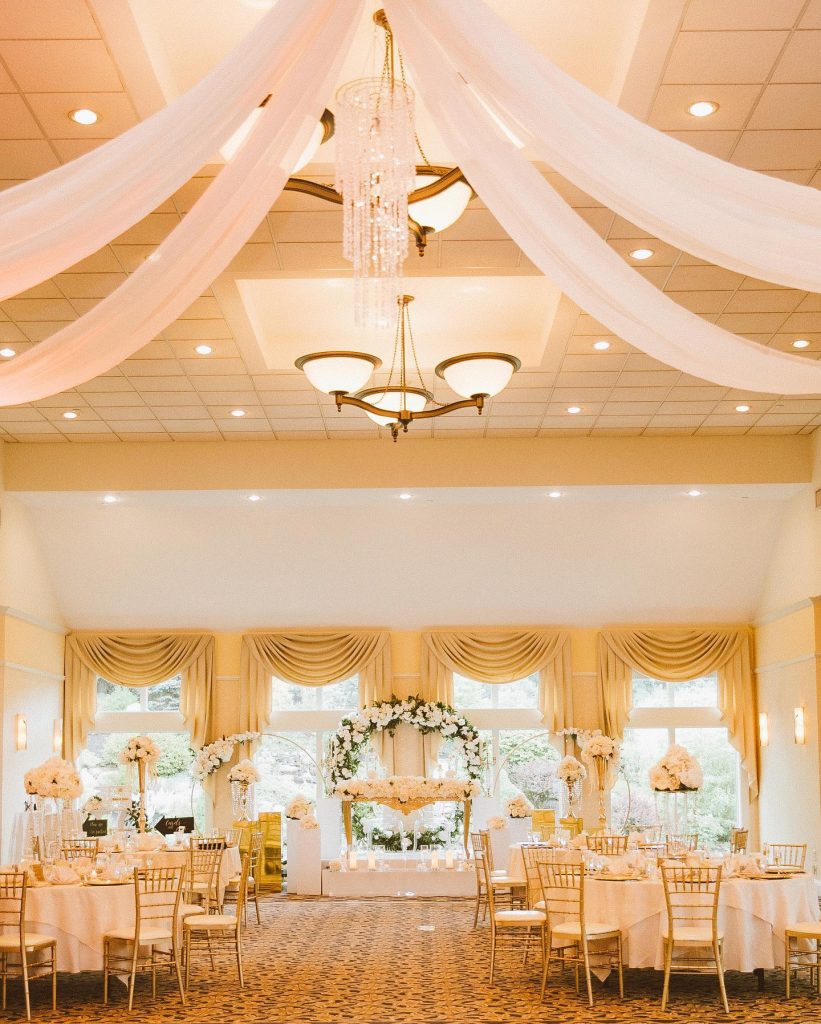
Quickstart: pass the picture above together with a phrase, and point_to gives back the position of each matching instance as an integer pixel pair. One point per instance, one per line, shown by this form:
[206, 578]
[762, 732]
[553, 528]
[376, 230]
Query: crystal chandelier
[475, 376]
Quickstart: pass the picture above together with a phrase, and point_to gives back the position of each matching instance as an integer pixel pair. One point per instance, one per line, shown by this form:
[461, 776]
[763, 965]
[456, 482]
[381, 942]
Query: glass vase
[242, 801]
[574, 798]
[673, 810]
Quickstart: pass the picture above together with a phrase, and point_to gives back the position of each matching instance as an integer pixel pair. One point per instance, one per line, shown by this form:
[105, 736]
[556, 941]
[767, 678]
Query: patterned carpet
[385, 962]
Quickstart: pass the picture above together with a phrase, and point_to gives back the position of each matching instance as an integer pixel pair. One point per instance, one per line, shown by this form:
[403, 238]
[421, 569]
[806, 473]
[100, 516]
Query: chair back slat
[738, 840]
[607, 845]
[13, 901]
[789, 854]
[157, 895]
[691, 894]
[681, 842]
[73, 848]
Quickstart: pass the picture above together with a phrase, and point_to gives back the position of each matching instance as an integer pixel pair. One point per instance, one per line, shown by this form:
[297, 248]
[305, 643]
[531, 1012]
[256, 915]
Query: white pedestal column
[518, 829]
[304, 859]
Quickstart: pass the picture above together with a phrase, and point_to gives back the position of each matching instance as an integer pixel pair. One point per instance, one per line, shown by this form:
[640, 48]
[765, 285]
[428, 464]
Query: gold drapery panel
[311, 659]
[503, 656]
[677, 655]
[139, 660]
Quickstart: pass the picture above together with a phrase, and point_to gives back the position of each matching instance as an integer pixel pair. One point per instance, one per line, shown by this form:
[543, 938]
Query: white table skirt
[753, 914]
[398, 881]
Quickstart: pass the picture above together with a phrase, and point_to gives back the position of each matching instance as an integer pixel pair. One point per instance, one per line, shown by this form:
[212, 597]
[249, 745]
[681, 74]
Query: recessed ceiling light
[254, 497]
[69, 414]
[238, 412]
[405, 496]
[7, 353]
[703, 108]
[742, 408]
[641, 254]
[84, 116]
[800, 343]
[601, 346]
[694, 494]
[109, 499]
[573, 409]
[203, 350]
[555, 494]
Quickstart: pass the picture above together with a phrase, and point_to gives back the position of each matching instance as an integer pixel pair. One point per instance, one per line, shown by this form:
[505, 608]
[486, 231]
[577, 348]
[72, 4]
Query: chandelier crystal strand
[375, 172]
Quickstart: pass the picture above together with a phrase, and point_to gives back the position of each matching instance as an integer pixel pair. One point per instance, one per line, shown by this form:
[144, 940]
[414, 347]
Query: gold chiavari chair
[739, 838]
[225, 929]
[204, 862]
[503, 886]
[691, 895]
[605, 845]
[231, 894]
[793, 855]
[151, 942]
[682, 842]
[516, 923]
[570, 933]
[71, 849]
[27, 949]
[802, 959]
[533, 856]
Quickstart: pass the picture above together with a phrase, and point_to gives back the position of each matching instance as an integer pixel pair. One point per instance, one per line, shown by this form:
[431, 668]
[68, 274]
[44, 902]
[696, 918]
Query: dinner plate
[617, 878]
[109, 881]
[783, 869]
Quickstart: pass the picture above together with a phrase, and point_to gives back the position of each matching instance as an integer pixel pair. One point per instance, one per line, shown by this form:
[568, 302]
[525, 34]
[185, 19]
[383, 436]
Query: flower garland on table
[677, 772]
[54, 778]
[518, 807]
[345, 746]
[245, 772]
[214, 755]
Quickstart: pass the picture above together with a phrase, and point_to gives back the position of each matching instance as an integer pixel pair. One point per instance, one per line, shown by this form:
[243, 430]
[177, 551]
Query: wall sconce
[798, 725]
[763, 729]
[21, 732]
[57, 736]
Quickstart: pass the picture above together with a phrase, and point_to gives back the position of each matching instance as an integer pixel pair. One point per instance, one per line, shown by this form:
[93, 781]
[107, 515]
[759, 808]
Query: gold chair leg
[545, 969]
[54, 977]
[187, 956]
[787, 963]
[153, 972]
[239, 961]
[588, 982]
[132, 981]
[668, 955]
[527, 948]
[256, 903]
[720, 971]
[4, 969]
[175, 956]
[492, 950]
[105, 972]
[619, 949]
[25, 972]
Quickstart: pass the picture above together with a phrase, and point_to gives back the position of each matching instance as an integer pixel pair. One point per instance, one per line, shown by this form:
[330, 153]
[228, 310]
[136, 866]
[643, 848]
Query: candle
[449, 859]
[434, 860]
[352, 861]
[371, 861]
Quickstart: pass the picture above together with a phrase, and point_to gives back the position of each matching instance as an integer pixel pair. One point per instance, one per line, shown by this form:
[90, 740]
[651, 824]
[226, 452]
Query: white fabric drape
[207, 239]
[502, 656]
[741, 219]
[140, 660]
[57, 219]
[568, 251]
[677, 655]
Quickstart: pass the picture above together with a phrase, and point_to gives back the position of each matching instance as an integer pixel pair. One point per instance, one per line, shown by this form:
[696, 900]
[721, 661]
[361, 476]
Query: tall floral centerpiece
[601, 753]
[242, 778]
[678, 774]
[141, 754]
[56, 781]
[571, 772]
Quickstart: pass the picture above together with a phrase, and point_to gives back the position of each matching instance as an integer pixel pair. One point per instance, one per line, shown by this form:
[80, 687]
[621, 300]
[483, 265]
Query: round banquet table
[79, 915]
[752, 914]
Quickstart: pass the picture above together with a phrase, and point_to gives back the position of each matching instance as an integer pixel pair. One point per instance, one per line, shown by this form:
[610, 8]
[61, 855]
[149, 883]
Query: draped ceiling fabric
[217, 226]
[566, 249]
[310, 659]
[136, 661]
[503, 656]
[750, 222]
[677, 655]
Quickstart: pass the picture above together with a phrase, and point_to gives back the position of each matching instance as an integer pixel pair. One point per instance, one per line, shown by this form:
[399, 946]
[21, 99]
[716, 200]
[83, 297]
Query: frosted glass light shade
[323, 131]
[338, 371]
[478, 373]
[442, 210]
[391, 399]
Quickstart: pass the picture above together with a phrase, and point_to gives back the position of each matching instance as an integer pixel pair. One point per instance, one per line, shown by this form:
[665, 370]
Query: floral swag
[345, 747]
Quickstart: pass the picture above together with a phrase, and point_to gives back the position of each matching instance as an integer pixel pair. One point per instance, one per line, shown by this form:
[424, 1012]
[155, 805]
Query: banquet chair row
[71, 849]
[23, 955]
[490, 881]
[232, 889]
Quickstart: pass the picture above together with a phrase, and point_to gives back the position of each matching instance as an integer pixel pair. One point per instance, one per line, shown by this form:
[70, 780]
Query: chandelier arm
[448, 176]
[313, 188]
[477, 402]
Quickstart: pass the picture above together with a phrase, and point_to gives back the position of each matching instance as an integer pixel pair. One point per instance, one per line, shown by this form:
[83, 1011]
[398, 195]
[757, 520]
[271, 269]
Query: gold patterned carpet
[316, 961]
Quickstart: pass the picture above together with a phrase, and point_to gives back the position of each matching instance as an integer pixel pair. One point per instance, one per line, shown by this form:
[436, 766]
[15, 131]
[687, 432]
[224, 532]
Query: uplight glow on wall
[764, 729]
[799, 730]
[21, 732]
[57, 736]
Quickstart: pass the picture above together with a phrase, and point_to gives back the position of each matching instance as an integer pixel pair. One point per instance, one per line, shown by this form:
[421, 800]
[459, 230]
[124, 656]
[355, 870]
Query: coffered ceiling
[760, 60]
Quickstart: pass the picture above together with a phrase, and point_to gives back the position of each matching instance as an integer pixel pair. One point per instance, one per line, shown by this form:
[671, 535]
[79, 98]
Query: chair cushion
[148, 934]
[506, 882]
[692, 935]
[572, 930]
[189, 909]
[209, 921]
[519, 918]
[498, 871]
[804, 930]
[33, 941]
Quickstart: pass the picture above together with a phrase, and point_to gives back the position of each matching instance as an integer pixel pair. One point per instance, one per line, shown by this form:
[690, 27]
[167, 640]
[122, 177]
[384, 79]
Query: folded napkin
[62, 874]
[113, 872]
[742, 865]
[578, 842]
[147, 842]
[81, 863]
[631, 863]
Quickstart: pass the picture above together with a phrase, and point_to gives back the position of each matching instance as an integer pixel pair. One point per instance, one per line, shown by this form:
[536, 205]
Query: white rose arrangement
[244, 771]
[599, 745]
[54, 778]
[309, 821]
[140, 749]
[570, 771]
[299, 807]
[214, 755]
[92, 806]
[678, 771]
[518, 807]
[496, 822]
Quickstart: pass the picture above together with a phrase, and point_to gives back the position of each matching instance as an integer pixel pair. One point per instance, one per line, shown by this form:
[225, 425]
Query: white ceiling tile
[770, 150]
[89, 286]
[801, 59]
[788, 106]
[469, 255]
[26, 158]
[716, 56]
[718, 144]
[741, 14]
[313, 425]
[61, 65]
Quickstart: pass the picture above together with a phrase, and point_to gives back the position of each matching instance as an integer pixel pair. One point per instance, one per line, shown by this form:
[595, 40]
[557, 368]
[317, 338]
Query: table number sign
[95, 827]
[168, 826]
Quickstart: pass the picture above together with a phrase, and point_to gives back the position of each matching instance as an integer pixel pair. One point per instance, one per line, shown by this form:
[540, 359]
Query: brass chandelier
[476, 376]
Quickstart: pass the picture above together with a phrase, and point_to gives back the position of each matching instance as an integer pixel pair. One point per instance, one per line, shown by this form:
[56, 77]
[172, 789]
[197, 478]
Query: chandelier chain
[422, 153]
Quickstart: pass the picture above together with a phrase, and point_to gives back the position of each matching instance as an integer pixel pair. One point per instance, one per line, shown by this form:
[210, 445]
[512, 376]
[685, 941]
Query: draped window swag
[140, 660]
[676, 655]
[503, 656]
[311, 659]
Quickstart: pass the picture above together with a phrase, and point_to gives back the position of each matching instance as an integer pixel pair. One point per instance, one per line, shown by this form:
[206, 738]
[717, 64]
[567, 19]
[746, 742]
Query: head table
[79, 915]
[752, 914]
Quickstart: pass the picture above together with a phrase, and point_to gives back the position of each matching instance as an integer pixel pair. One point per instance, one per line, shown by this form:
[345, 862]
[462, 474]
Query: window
[126, 711]
[685, 713]
[508, 718]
